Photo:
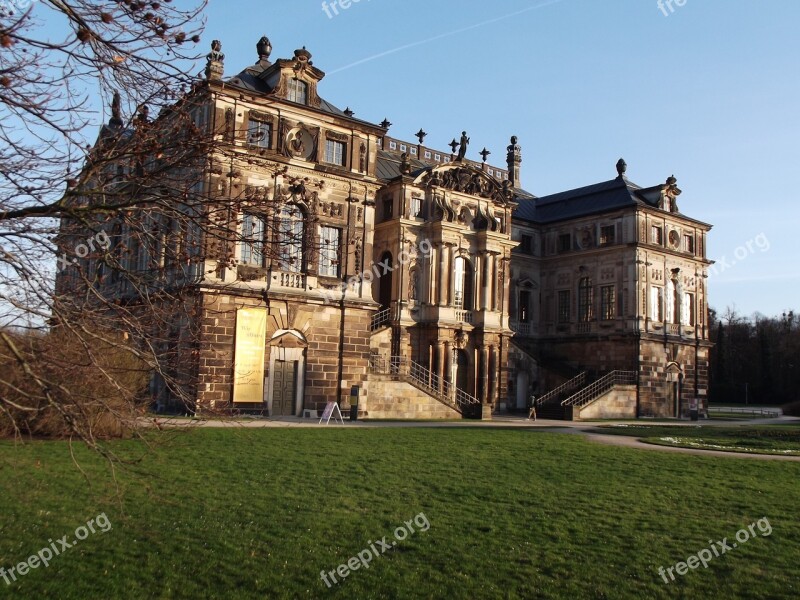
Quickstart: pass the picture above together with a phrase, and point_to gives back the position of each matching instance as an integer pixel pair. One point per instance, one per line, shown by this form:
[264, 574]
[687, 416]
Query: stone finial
[514, 160]
[421, 135]
[484, 153]
[215, 60]
[622, 167]
[116, 112]
[386, 124]
[348, 112]
[264, 49]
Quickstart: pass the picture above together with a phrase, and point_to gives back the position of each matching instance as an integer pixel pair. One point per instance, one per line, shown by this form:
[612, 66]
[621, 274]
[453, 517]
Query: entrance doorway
[284, 387]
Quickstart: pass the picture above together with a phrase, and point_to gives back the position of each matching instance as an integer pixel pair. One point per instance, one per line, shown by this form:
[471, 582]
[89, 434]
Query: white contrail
[444, 35]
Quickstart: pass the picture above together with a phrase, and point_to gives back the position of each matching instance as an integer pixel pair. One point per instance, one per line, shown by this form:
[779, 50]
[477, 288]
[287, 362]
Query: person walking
[532, 411]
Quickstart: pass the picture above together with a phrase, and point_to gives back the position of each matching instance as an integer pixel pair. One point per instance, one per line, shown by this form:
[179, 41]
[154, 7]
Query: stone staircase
[611, 396]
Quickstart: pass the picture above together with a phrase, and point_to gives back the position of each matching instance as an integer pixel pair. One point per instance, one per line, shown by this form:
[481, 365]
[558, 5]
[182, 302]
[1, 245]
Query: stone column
[451, 279]
[440, 370]
[492, 374]
[441, 279]
[484, 390]
[486, 275]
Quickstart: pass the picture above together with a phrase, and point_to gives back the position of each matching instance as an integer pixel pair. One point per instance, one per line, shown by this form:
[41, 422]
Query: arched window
[291, 239]
[463, 284]
[298, 91]
[585, 300]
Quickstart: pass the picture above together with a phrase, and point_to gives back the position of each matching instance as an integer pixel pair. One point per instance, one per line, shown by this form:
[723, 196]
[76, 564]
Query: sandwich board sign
[331, 410]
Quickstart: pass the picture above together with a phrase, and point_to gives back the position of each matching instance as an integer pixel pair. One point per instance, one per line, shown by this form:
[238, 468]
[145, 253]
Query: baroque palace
[432, 283]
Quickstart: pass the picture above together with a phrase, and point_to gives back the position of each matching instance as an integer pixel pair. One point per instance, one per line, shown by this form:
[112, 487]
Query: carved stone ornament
[467, 180]
[215, 61]
[300, 144]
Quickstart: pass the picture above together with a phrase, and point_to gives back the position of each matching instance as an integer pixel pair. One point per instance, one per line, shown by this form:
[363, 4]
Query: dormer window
[298, 91]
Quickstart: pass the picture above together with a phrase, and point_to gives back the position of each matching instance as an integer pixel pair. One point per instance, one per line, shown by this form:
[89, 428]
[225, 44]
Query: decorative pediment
[466, 179]
[298, 68]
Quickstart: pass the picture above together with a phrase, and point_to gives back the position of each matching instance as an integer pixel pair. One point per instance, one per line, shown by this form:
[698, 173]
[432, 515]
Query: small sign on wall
[248, 366]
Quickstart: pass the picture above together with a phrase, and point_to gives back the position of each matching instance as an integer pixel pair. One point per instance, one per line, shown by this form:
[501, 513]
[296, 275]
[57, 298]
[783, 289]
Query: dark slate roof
[600, 197]
[389, 165]
[251, 81]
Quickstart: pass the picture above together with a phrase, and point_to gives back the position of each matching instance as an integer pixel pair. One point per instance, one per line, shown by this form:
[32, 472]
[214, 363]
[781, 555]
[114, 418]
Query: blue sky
[709, 91]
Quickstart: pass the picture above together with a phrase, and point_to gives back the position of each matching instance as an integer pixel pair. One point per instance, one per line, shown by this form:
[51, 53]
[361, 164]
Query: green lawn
[759, 439]
[258, 513]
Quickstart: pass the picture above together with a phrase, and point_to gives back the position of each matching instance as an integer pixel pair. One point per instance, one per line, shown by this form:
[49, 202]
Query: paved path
[590, 430]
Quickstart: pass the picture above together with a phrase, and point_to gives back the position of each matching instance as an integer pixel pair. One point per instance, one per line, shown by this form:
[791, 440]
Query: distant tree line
[755, 359]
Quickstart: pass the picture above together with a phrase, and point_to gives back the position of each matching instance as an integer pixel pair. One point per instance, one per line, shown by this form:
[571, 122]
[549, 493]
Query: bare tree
[103, 244]
[65, 198]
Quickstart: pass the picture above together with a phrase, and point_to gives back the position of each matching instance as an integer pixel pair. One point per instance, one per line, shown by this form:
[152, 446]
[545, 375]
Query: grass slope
[258, 513]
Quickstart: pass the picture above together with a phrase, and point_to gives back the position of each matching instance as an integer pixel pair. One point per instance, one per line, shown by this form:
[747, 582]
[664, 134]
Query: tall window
[564, 242]
[671, 303]
[657, 304]
[416, 208]
[291, 236]
[334, 152]
[259, 133]
[608, 303]
[688, 316]
[563, 306]
[657, 235]
[388, 208]
[688, 243]
[463, 284]
[252, 244]
[585, 300]
[298, 91]
[524, 307]
[526, 244]
[608, 235]
[330, 245]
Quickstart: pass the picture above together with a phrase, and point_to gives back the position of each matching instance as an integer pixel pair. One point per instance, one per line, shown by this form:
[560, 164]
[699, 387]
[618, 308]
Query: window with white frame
[608, 303]
[290, 239]
[657, 304]
[416, 208]
[585, 300]
[251, 248]
[298, 91]
[330, 246]
[334, 152]
[259, 133]
[688, 312]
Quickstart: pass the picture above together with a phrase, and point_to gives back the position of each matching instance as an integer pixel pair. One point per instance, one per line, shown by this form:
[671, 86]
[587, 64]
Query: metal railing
[570, 385]
[756, 412]
[424, 379]
[600, 387]
[381, 318]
